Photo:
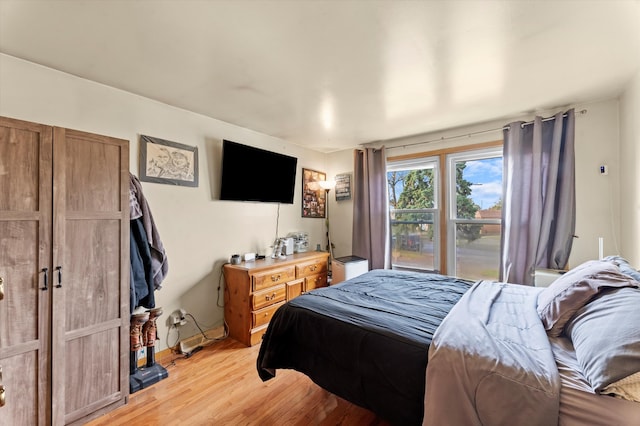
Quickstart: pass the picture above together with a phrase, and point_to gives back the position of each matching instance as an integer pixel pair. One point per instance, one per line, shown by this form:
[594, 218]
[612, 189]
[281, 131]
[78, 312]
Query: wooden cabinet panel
[64, 216]
[93, 377]
[25, 253]
[19, 372]
[91, 225]
[19, 317]
[96, 240]
[89, 185]
[21, 158]
[255, 290]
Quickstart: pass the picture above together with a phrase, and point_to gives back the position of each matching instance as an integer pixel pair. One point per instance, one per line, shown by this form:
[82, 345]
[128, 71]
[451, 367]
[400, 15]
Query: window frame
[441, 154]
[413, 164]
[452, 219]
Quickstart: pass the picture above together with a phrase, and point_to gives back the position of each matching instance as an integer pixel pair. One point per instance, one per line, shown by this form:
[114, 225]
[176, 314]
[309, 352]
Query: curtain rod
[481, 132]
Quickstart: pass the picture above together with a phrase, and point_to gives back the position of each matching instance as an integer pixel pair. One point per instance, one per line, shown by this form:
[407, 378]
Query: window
[475, 213]
[445, 211]
[414, 213]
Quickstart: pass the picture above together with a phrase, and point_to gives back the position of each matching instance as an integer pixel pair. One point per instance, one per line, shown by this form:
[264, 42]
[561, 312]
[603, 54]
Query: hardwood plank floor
[220, 386]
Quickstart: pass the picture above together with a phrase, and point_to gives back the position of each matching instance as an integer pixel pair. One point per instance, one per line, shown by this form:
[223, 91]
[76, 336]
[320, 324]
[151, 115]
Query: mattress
[579, 404]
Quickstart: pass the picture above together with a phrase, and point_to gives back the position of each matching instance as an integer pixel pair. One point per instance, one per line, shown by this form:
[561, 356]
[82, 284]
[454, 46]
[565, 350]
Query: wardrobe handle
[1, 288]
[46, 274]
[1, 389]
[59, 269]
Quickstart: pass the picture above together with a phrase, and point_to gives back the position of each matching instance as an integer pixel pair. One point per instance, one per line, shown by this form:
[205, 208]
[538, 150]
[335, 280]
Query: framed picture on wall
[343, 186]
[167, 162]
[313, 196]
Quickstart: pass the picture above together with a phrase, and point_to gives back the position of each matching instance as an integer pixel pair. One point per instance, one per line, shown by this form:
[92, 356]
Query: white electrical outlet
[178, 318]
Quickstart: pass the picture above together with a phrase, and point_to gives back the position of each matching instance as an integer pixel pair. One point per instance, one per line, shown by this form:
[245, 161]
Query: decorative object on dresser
[64, 256]
[300, 241]
[255, 290]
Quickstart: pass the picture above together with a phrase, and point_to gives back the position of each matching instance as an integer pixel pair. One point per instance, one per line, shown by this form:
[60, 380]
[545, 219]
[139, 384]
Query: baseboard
[186, 345]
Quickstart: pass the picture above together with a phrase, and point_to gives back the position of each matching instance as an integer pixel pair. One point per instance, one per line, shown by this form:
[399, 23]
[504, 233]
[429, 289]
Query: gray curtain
[370, 207]
[538, 213]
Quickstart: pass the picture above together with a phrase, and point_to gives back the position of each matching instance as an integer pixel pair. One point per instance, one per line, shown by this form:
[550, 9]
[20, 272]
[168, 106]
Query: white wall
[597, 197]
[199, 232]
[630, 176]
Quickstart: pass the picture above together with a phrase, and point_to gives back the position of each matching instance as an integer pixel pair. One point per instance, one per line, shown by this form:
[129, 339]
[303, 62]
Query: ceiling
[331, 75]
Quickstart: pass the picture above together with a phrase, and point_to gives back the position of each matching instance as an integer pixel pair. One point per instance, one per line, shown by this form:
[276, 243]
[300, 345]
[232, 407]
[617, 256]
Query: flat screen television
[254, 174]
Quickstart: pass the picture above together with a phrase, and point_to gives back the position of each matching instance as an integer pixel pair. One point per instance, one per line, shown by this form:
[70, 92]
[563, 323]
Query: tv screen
[254, 174]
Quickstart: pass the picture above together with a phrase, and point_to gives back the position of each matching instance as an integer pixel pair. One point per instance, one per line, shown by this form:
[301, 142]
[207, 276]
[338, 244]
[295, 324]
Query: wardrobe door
[25, 257]
[90, 325]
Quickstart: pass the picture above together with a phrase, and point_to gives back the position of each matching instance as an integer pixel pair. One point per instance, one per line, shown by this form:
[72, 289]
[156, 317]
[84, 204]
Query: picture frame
[167, 162]
[343, 186]
[313, 196]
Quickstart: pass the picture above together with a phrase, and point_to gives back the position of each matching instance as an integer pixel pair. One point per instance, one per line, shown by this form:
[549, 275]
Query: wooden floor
[220, 386]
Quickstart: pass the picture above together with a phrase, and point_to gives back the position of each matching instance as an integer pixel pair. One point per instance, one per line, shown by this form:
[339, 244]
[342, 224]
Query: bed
[430, 349]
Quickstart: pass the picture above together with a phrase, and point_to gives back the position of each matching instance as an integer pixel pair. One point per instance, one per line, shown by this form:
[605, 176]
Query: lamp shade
[327, 185]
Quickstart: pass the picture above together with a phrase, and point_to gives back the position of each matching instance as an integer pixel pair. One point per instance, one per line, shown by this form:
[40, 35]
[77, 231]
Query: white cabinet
[348, 267]
[544, 277]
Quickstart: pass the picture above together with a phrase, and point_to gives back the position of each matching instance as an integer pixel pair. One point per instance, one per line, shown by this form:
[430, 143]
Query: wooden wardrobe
[64, 271]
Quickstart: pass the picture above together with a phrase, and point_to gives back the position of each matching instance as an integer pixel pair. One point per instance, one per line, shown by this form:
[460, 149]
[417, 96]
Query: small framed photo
[313, 196]
[343, 186]
[167, 162]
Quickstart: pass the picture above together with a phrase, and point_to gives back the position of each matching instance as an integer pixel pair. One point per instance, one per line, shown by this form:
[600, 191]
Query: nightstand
[544, 277]
[348, 267]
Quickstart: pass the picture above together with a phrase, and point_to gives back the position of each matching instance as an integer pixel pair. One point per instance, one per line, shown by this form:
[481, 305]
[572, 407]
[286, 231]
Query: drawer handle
[313, 267]
[266, 314]
[275, 278]
[268, 298]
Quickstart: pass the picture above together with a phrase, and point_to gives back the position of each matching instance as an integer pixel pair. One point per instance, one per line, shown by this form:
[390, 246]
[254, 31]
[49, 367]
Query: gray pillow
[624, 266]
[606, 337]
[571, 291]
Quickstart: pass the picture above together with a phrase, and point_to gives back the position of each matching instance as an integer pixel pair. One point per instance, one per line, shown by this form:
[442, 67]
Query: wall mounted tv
[254, 174]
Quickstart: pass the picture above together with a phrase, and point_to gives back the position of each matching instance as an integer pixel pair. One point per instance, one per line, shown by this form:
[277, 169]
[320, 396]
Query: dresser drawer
[262, 280]
[255, 336]
[263, 316]
[267, 297]
[315, 281]
[311, 268]
[295, 288]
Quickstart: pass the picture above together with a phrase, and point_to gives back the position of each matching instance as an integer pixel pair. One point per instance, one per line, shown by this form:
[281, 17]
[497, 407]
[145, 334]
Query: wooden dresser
[255, 290]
